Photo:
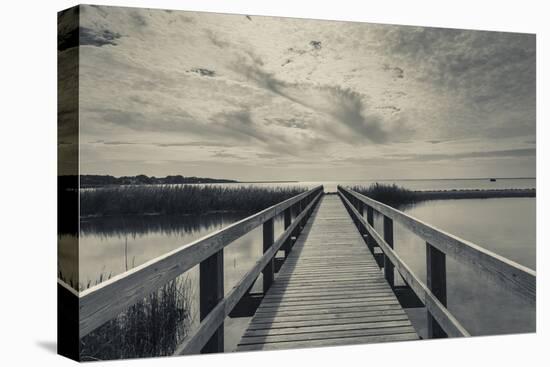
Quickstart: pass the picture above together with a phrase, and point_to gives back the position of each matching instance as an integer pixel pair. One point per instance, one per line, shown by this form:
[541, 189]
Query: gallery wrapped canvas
[237, 183]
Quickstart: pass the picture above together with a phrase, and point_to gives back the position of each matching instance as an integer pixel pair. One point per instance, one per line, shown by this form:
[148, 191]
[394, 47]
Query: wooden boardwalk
[329, 291]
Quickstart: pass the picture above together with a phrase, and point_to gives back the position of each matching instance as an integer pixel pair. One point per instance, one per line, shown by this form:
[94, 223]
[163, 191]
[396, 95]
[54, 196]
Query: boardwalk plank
[329, 291]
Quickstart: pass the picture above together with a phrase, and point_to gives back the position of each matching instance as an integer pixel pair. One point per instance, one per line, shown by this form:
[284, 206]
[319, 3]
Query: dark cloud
[396, 72]
[92, 37]
[316, 45]
[204, 72]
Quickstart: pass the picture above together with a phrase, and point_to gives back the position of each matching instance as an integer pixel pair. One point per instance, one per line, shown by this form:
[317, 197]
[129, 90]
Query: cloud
[396, 72]
[98, 38]
[290, 123]
[316, 45]
[204, 72]
[342, 104]
[509, 153]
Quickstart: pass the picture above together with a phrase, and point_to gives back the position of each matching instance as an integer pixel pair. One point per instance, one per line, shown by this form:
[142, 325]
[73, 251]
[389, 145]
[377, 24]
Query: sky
[264, 98]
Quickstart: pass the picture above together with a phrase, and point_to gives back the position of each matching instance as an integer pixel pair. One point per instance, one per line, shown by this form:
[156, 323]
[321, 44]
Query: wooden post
[211, 293]
[288, 221]
[436, 279]
[269, 270]
[388, 237]
[370, 215]
[370, 220]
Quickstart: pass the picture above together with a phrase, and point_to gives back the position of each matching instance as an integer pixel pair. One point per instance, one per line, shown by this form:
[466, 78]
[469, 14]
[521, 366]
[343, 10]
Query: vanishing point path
[329, 291]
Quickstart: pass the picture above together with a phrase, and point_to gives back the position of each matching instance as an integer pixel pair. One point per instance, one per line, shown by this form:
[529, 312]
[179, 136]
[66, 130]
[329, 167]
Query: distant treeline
[398, 196]
[107, 180]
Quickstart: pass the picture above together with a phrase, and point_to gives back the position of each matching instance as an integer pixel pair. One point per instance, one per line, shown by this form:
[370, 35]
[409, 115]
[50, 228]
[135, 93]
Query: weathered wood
[287, 222]
[269, 270]
[370, 220]
[275, 319]
[388, 237]
[199, 337]
[380, 338]
[329, 288]
[103, 302]
[211, 293]
[438, 311]
[504, 272]
[354, 320]
[247, 340]
[436, 280]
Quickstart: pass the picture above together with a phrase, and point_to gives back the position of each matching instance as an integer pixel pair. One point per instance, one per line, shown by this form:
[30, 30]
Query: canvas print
[234, 183]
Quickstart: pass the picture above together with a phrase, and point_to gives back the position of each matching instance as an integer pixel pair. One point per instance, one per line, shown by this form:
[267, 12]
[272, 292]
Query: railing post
[211, 293]
[288, 222]
[370, 220]
[268, 239]
[436, 279]
[388, 237]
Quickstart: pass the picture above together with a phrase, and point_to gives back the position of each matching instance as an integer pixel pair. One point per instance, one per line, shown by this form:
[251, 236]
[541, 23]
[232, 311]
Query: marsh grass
[392, 195]
[152, 327]
[180, 199]
[400, 197]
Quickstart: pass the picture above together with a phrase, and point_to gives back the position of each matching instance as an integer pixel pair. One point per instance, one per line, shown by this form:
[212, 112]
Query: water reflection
[109, 246]
[505, 226]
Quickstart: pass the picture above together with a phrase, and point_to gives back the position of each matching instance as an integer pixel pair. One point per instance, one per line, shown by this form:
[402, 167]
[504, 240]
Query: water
[433, 184]
[505, 226]
[110, 246]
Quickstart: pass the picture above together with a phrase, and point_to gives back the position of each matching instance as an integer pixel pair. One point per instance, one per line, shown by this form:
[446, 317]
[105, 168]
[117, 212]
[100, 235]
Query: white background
[28, 181]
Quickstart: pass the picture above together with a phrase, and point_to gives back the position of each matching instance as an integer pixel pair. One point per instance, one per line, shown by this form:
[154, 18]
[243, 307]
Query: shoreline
[473, 194]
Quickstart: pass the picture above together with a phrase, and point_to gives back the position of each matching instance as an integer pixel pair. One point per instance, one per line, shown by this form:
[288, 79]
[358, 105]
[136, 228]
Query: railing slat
[209, 325]
[287, 222]
[103, 302]
[211, 293]
[507, 273]
[438, 311]
[388, 237]
[269, 270]
[436, 280]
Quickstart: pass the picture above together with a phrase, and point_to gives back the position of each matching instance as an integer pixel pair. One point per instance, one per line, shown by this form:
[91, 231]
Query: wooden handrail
[441, 322]
[438, 311]
[196, 341]
[104, 301]
[507, 273]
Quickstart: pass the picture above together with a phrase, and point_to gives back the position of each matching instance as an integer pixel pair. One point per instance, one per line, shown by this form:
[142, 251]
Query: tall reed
[180, 199]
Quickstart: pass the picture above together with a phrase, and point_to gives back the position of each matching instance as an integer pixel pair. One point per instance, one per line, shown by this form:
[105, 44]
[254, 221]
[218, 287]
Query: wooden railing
[105, 301]
[439, 244]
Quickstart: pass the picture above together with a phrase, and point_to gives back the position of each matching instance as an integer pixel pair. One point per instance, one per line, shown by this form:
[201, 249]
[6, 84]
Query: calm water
[110, 246]
[505, 226]
[454, 184]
